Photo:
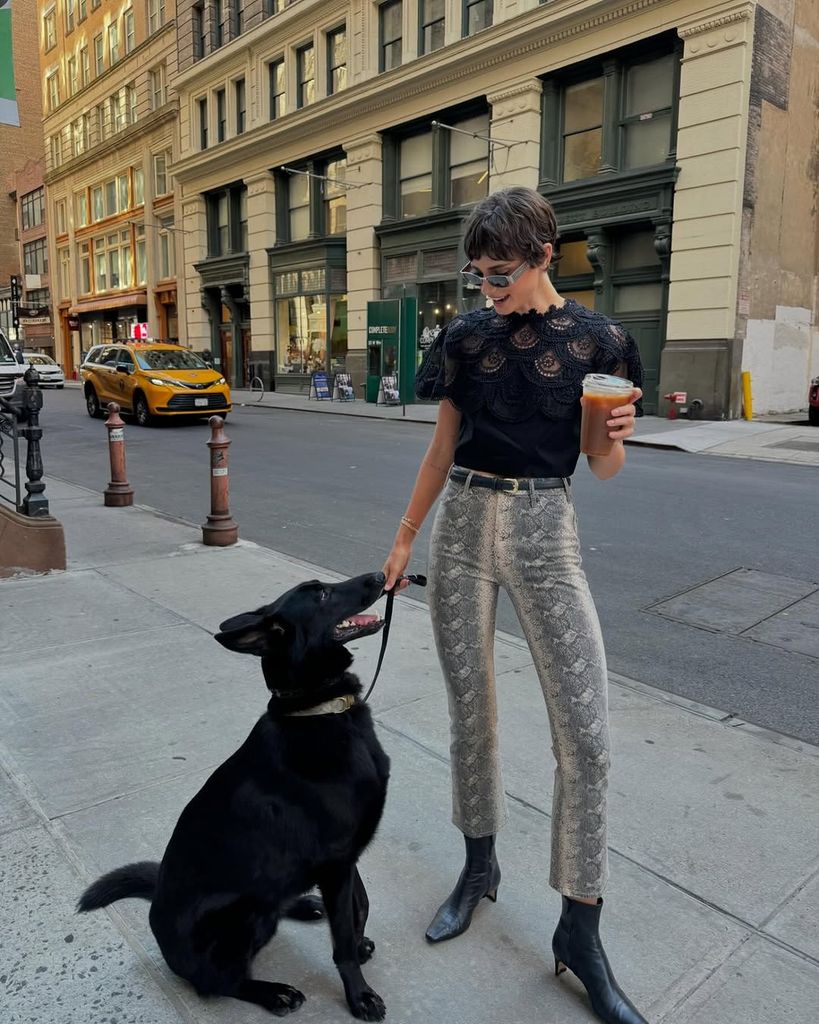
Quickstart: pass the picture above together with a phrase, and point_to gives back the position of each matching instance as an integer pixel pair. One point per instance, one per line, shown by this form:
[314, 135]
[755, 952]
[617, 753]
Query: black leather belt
[510, 484]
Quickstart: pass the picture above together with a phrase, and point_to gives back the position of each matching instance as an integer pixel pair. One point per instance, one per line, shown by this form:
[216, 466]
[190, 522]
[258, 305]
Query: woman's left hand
[623, 418]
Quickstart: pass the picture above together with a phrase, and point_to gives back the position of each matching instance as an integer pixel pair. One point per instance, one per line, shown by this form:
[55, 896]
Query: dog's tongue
[362, 620]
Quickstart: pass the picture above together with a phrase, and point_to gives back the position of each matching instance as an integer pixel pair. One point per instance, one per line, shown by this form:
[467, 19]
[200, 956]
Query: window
[50, 29]
[275, 6]
[73, 76]
[55, 144]
[113, 43]
[159, 92]
[156, 15]
[38, 297]
[335, 198]
[198, 28]
[61, 216]
[85, 67]
[477, 16]
[35, 257]
[221, 116]
[161, 176]
[227, 220]
[278, 100]
[167, 261]
[122, 192]
[79, 135]
[113, 261]
[64, 272]
[646, 120]
[33, 208]
[238, 18]
[131, 100]
[469, 162]
[99, 58]
[128, 29]
[103, 121]
[111, 198]
[138, 184]
[218, 26]
[239, 92]
[97, 203]
[141, 254]
[69, 16]
[53, 91]
[298, 206]
[415, 175]
[305, 75]
[81, 209]
[203, 124]
[336, 60]
[432, 25]
[84, 251]
[82, 9]
[582, 129]
[390, 15]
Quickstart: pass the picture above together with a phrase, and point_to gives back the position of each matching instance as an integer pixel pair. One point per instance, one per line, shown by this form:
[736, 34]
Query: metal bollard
[118, 493]
[220, 529]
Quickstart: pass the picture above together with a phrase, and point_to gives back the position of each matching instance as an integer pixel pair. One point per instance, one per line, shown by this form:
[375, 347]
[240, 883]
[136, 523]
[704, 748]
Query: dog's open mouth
[355, 626]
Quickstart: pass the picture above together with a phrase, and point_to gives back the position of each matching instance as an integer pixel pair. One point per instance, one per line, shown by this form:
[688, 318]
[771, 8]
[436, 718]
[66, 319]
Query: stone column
[194, 326]
[516, 119]
[261, 235]
[715, 83]
[364, 205]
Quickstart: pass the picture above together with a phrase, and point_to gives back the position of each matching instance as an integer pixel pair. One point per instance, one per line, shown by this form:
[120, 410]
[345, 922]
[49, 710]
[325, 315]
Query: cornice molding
[719, 22]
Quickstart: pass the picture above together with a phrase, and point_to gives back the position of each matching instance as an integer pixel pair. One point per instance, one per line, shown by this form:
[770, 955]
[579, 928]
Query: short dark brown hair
[512, 223]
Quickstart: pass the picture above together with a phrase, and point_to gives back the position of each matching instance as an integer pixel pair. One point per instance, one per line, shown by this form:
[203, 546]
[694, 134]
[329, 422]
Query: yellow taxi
[150, 379]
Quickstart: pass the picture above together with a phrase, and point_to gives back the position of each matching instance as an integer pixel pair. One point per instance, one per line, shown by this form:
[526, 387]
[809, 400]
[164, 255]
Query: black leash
[418, 580]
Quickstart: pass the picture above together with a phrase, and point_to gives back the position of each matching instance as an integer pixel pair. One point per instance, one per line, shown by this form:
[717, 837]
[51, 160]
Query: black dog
[293, 808]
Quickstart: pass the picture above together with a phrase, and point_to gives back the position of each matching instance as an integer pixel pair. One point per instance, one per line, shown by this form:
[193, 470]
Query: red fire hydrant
[220, 529]
[119, 492]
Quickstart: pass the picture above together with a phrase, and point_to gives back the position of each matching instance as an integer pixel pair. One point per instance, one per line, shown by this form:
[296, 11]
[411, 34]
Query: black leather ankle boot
[480, 877]
[577, 946]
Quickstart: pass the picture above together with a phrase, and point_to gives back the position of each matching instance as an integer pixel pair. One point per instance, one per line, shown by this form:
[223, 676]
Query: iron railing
[20, 418]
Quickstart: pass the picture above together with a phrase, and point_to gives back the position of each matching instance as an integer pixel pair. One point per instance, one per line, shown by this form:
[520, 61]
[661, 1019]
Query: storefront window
[338, 333]
[647, 114]
[301, 324]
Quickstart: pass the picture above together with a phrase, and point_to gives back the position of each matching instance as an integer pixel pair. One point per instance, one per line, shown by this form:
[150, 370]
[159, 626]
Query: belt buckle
[515, 484]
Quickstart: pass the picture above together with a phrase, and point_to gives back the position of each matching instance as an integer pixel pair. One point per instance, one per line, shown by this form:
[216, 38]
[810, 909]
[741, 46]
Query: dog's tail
[131, 881]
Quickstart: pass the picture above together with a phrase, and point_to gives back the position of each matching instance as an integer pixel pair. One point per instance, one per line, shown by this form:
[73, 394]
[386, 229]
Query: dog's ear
[249, 633]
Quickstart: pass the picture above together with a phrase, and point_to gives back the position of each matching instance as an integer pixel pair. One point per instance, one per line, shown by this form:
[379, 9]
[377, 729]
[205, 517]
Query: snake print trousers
[527, 543]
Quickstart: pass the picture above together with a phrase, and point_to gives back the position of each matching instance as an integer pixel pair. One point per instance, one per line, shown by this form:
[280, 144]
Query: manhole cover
[777, 610]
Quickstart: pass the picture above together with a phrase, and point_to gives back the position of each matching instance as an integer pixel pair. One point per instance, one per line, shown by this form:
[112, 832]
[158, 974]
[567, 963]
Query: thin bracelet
[410, 524]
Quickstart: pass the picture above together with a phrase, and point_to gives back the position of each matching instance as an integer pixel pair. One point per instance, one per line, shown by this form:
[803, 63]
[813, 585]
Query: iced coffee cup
[601, 394]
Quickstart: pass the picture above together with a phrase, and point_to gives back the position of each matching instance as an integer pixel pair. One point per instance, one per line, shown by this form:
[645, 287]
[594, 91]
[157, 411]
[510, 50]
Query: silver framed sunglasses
[495, 280]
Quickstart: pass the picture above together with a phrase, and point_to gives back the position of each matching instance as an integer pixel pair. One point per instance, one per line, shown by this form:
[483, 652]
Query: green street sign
[8, 94]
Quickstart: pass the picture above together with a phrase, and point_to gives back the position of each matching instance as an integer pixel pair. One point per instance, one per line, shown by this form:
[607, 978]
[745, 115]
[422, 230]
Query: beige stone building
[110, 130]
[328, 151]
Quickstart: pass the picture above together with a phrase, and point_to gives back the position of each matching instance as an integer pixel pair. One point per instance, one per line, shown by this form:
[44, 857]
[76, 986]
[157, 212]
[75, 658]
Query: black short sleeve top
[517, 380]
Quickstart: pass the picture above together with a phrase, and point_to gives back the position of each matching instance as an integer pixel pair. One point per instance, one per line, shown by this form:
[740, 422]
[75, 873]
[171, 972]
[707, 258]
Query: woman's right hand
[397, 562]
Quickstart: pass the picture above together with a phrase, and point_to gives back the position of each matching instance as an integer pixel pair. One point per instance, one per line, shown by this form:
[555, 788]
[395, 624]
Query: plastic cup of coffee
[601, 394]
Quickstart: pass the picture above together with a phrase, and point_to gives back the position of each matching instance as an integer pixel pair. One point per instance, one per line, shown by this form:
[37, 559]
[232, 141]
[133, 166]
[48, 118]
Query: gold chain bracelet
[410, 524]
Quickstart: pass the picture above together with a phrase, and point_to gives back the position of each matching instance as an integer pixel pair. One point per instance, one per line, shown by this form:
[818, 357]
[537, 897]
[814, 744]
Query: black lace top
[517, 380]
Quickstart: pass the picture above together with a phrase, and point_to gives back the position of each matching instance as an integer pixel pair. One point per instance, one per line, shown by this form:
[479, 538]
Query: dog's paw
[368, 1006]
[366, 948]
[284, 1000]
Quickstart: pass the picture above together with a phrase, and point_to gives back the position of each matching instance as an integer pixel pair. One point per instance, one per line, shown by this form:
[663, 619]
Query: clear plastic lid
[605, 384]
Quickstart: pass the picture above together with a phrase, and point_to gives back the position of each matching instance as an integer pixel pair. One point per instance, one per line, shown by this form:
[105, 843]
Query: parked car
[11, 370]
[51, 373]
[813, 402]
[152, 380]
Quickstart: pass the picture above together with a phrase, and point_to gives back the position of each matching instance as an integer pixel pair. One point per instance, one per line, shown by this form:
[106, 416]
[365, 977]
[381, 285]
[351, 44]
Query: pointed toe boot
[577, 947]
[480, 877]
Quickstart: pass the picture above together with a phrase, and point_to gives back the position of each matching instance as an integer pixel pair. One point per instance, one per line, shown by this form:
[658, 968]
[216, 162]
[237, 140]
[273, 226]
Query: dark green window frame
[316, 168]
[236, 197]
[424, 22]
[303, 97]
[277, 100]
[383, 42]
[332, 68]
[489, 15]
[613, 69]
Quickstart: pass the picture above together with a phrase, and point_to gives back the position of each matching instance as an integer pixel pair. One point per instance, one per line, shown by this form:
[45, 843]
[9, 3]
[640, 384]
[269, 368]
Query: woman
[505, 446]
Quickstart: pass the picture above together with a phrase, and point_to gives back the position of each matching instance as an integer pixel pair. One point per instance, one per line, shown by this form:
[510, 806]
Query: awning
[122, 299]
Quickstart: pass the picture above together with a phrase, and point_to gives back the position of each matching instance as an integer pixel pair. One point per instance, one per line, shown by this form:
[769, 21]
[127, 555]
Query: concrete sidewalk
[115, 705]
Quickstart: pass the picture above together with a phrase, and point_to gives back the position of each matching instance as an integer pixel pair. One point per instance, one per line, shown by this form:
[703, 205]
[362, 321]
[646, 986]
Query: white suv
[10, 370]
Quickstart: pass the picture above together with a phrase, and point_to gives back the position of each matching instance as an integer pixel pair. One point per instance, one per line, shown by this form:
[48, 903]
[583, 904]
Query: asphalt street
[330, 490]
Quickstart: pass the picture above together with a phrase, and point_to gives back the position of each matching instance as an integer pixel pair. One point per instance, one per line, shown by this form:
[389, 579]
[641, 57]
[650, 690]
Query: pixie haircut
[512, 223]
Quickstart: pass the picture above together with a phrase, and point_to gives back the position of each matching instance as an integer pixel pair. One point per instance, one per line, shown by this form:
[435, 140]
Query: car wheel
[142, 413]
[813, 415]
[60, 386]
[92, 403]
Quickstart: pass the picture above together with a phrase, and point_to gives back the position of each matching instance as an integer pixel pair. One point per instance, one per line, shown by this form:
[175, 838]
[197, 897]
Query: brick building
[36, 329]
[110, 126]
[19, 146]
[330, 149]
